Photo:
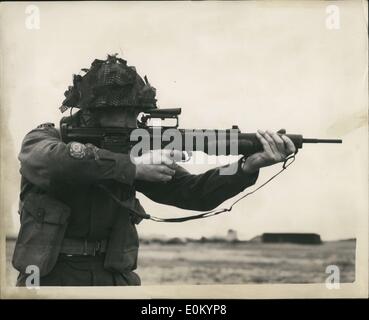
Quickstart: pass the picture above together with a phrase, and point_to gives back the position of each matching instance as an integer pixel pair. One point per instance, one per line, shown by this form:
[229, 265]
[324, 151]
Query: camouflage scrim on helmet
[109, 83]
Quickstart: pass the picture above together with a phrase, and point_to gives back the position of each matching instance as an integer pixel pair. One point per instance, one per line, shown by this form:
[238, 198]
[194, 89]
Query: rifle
[213, 142]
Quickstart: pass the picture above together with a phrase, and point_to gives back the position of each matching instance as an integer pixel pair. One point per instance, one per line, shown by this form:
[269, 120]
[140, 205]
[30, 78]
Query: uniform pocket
[43, 224]
[122, 251]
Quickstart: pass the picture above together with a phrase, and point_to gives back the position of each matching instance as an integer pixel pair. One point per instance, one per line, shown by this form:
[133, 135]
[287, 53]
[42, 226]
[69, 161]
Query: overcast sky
[266, 65]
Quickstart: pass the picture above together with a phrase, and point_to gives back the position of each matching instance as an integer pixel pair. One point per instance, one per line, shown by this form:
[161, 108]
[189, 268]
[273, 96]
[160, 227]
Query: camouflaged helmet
[109, 83]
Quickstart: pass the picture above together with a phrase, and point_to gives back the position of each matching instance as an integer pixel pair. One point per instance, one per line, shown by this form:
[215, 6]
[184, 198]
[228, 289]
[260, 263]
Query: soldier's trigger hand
[154, 172]
[167, 157]
[157, 165]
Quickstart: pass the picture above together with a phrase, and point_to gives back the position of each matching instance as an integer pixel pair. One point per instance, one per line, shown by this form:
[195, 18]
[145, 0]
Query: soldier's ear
[89, 118]
[65, 120]
[73, 119]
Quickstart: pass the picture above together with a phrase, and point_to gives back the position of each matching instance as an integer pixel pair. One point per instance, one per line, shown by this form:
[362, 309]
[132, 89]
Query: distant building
[232, 236]
[300, 238]
[176, 240]
[212, 240]
[256, 239]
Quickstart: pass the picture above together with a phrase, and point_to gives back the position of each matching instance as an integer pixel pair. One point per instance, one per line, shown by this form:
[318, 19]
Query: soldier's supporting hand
[277, 147]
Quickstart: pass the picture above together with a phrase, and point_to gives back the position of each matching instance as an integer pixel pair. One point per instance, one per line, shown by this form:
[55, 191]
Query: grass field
[240, 263]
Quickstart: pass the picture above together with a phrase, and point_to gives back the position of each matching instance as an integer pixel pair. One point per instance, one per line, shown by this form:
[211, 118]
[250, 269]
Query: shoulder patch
[77, 150]
[46, 125]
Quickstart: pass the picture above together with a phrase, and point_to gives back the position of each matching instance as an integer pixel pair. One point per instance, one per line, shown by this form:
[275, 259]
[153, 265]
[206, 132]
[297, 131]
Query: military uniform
[69, 226]
[78, 205]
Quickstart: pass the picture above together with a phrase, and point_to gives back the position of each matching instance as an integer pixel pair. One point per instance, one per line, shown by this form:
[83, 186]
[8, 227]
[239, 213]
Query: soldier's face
[117, 118]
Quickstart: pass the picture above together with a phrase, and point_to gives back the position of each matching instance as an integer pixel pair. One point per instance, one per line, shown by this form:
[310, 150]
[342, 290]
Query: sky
[258, 65]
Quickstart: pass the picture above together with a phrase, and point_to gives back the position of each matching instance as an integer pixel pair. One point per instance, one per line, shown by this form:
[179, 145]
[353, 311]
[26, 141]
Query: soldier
[73, 227]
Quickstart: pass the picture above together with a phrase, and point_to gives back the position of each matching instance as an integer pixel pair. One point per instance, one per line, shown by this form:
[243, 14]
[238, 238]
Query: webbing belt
[83, 247]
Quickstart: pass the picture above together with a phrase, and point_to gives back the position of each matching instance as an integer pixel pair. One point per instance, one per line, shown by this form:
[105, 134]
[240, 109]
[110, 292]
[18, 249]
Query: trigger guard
[187, 156]
[288, 160]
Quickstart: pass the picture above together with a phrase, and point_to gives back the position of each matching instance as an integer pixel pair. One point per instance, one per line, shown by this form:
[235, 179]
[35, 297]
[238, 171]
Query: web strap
[287, 162]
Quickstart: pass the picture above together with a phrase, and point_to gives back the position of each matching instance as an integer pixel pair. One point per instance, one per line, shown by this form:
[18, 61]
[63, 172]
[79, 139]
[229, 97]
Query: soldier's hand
[277, 147]
[157, 165]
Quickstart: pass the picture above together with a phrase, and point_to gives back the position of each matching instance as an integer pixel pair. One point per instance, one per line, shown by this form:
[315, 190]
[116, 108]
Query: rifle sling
[203, 215]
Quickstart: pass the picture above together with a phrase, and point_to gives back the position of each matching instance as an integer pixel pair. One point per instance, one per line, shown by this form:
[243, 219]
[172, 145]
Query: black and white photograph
[185, 149]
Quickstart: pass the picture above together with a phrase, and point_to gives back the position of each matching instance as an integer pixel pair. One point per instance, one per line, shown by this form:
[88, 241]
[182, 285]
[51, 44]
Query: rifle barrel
[321, 140]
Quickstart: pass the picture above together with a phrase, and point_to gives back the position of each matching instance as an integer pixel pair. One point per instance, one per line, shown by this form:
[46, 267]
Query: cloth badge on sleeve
[77, 150]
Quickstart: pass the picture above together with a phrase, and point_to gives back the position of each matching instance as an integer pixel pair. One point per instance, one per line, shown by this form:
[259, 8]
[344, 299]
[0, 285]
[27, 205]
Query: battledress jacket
[60, 194]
